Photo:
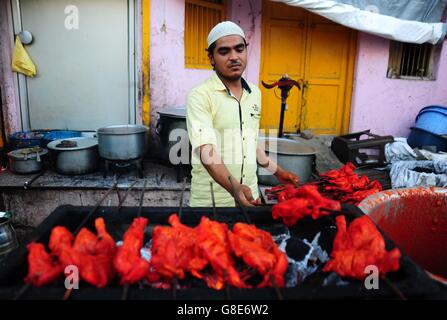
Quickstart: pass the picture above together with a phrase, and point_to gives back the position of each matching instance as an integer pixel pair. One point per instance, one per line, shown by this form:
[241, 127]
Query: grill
[411, 280]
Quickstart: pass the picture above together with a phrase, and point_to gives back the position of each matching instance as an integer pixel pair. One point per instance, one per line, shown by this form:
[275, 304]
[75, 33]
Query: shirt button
[243, 138]
[243, 122]
[243, 176]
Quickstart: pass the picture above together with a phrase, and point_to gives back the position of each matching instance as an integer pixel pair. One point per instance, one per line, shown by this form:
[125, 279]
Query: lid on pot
[173, 112]
[286, 146]
[79, 143]
[27, 153]
[123, 129]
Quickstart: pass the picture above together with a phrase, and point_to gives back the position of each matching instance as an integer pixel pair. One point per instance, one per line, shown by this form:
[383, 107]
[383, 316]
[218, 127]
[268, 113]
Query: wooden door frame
[352, 52]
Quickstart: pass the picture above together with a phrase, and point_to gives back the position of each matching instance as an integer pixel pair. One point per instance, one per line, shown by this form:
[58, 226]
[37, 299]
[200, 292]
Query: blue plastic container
[59, 134]
[432, 119]
[420, 138]
[26, 139]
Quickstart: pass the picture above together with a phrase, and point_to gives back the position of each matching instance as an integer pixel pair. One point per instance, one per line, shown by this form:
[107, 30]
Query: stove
[307, 244]
[119, 166]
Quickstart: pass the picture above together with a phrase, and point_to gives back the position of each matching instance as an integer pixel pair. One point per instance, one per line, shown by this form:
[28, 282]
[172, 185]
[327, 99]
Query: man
[223, 122]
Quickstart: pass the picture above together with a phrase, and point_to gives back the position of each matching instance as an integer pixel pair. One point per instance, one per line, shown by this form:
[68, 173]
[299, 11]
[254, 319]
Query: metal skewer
[25, 287]
[174, 282]
[244, 211]
[120, 204]
[126, 286]
[227, 287]
[236, 197]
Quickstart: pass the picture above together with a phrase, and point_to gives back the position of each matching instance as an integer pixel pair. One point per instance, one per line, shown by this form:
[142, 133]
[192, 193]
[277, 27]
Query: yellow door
[315, 51]
[283, 52]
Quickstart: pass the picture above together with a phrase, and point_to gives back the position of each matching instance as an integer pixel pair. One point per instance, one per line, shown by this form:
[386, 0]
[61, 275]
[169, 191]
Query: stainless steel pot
[125, 142]
[8, 238]
[27, 160]
[75, 155]
[290, 155]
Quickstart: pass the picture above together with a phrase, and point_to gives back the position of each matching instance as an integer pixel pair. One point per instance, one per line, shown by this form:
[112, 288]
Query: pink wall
[170, 81]
[389, 106]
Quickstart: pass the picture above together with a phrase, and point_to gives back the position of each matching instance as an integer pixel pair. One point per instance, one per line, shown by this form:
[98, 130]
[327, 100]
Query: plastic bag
[21, 62]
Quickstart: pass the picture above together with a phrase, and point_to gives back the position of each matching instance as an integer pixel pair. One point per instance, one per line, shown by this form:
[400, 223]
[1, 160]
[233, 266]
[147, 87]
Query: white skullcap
[223, 29]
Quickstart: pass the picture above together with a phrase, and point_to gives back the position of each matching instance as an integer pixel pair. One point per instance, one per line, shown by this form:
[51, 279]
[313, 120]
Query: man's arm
[282, 175]
[213, 163]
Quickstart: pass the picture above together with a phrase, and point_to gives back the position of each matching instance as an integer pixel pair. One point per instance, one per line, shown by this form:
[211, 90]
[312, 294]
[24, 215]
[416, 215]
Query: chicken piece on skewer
[175, 250]
[213, 241]
[42, 269]
[358, 246]
[258, 250]
[97, 261]
[128, 261]
[92, 254]
[307, 202]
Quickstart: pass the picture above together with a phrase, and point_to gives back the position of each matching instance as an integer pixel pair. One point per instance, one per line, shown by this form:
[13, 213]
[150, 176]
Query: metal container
[27, 160]
[291, 155]
[75, 155]
[172, 121]
[8, 238]
[124, 142]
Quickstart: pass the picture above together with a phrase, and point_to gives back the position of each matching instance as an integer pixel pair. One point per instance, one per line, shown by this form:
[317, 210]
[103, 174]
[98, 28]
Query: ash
[304, 257]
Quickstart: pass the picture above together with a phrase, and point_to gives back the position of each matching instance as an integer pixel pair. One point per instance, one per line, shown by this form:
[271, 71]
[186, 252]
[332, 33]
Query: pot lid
[69, 144]
[287, 146]
[27, 153]
[123, 129]
[173, 112]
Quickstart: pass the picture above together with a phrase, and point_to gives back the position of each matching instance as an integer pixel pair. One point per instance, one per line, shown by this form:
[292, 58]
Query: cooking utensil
[8, 238]
[28, 183]
[123, 142]
[291, 155]
[27, 160]
[75, 155]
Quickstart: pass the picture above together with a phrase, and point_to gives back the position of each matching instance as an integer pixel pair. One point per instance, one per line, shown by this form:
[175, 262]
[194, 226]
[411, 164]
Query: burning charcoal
[326, 239]
[297, 249]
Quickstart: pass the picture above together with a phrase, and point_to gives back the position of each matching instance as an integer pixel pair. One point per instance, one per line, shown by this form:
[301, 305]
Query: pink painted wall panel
[389, 106]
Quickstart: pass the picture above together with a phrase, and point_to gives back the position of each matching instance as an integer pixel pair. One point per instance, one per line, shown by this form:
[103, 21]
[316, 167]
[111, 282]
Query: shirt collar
[219, 85]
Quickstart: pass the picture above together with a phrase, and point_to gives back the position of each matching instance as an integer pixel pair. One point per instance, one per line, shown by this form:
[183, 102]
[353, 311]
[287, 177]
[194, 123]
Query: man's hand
[244, 195]
[286, 176]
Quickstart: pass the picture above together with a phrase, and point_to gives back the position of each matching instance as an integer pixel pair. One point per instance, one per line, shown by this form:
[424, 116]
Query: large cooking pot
[75, 155]
[123, 142]
[27, 160]
[171, 128]
[291, 155]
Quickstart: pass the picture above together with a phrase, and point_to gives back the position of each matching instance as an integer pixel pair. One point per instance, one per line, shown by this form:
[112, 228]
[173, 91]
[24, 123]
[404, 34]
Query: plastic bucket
[433, 120]
[420, 138]
[416, 220]
[59, 134]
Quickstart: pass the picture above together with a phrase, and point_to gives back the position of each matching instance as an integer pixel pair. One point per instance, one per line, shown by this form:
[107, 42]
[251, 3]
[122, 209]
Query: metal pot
[290, 155]
[27, 160]
[8, 238]
[124, 142]
[75, 155]
[173, 119]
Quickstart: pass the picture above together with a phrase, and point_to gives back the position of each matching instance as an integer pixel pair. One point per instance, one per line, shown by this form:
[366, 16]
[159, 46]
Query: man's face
[229, 57]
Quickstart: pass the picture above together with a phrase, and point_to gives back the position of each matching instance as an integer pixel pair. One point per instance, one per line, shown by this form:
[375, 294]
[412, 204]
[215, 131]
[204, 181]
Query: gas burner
[119, 166]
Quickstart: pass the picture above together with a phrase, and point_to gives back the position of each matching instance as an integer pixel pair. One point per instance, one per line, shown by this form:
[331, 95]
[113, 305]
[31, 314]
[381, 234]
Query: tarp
[413, 21]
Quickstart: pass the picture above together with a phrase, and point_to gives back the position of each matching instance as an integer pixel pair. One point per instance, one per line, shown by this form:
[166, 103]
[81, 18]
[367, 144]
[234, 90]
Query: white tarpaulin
[388, 19]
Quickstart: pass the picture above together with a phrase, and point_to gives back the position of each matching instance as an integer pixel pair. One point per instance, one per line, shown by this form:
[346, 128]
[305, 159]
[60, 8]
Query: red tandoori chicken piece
[258, 250]
[307, 201]
[175, 250]
[128, 261]
[359, 246]
[213, 241]
[42, 269]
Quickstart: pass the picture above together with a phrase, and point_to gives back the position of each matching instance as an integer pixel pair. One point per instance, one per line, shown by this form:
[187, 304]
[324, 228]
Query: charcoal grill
[410, 279]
